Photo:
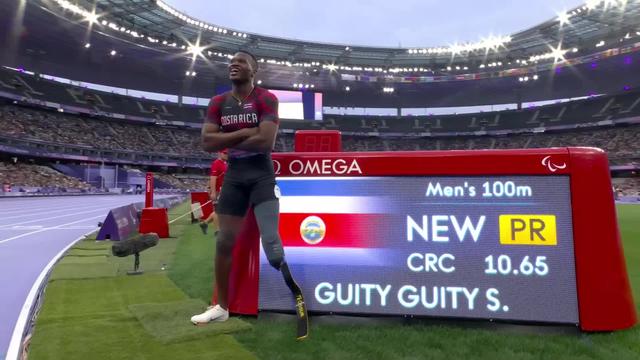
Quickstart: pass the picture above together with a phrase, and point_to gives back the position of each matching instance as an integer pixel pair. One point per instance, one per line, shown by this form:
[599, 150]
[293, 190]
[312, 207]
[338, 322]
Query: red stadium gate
[403, 233]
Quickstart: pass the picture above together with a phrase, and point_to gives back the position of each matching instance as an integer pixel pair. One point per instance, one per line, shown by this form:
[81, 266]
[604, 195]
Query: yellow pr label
[528, 230]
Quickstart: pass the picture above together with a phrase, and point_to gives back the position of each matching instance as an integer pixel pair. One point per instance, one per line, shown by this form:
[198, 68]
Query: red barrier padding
[243, 279]
[202, 197]
[604, 295]
[155, 220]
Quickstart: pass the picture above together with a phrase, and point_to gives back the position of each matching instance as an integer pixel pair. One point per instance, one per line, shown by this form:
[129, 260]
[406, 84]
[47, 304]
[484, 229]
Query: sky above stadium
[404, 23]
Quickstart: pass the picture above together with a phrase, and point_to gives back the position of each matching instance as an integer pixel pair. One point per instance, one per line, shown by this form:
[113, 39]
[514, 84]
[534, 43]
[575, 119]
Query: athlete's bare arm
[263, 140]
[215, 140]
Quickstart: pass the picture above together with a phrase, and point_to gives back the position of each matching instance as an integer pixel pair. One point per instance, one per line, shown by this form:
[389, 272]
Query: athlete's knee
[225, 242]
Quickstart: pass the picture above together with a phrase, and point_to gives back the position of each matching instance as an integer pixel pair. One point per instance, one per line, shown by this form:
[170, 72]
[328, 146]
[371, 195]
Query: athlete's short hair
[253, 57]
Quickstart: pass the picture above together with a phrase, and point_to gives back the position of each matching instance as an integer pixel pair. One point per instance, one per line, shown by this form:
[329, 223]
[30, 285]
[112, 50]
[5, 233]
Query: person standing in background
[216, 177]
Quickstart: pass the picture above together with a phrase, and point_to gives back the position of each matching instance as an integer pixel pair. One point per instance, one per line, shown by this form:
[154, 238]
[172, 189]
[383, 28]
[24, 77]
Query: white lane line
[52, 228]
[46, 211]
[18, 330]
[78, 227]
[38, 227]
[10, 209]
[53, 210]
[25, 206]
[40, 220]
[22, 227]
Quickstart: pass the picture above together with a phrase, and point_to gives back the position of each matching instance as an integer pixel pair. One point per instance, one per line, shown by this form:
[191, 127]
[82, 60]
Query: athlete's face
[224, 156]
[241, 68]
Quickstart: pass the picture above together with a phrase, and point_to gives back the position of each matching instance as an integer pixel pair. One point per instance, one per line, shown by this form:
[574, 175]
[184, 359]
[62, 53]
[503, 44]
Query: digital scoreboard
[476, 247]
[517, 235]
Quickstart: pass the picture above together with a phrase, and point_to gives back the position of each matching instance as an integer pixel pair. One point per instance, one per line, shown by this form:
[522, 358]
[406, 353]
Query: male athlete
[216, 177]
[245, 120]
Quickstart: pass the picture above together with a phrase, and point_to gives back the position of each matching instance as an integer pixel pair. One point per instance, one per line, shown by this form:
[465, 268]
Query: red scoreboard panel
[516, 235]
[318, 141]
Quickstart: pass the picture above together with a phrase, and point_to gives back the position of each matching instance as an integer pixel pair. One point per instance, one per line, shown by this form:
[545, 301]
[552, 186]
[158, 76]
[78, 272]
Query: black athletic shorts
[248, 181]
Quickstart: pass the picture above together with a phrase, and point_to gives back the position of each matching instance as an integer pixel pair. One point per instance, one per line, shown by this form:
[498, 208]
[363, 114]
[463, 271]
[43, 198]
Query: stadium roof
[145, 45]
[581, 28]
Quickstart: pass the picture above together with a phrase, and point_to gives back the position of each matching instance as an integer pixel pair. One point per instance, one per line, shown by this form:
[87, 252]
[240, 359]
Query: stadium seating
[574, 113]
[37, 178]
[28, 123]
[144, 134]
[627, 187]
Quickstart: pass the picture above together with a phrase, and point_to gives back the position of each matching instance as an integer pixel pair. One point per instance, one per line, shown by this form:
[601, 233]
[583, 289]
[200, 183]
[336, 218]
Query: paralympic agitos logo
[319, 167]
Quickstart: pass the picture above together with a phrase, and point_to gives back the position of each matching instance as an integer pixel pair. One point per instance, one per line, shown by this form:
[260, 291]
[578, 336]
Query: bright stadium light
[563, 18]
[455, 49]
[91, 17]
[490, 43]
[195, 50]
[558, 53]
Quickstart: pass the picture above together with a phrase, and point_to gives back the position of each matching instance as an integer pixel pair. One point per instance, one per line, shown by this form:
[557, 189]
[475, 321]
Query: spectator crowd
[621, 143]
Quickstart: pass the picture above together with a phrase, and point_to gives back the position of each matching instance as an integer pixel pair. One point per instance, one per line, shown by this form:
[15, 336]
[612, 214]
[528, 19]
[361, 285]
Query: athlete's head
[242, 67]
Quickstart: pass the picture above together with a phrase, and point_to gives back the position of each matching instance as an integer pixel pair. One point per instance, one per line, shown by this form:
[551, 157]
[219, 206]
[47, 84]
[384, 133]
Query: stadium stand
[38, 178]
[62, 178]
[137, 131]
[110, 134]
[186, 183]
[627, 187]
[574, 113]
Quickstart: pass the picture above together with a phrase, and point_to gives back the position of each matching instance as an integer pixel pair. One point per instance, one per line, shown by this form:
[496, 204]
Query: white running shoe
[213, 313]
